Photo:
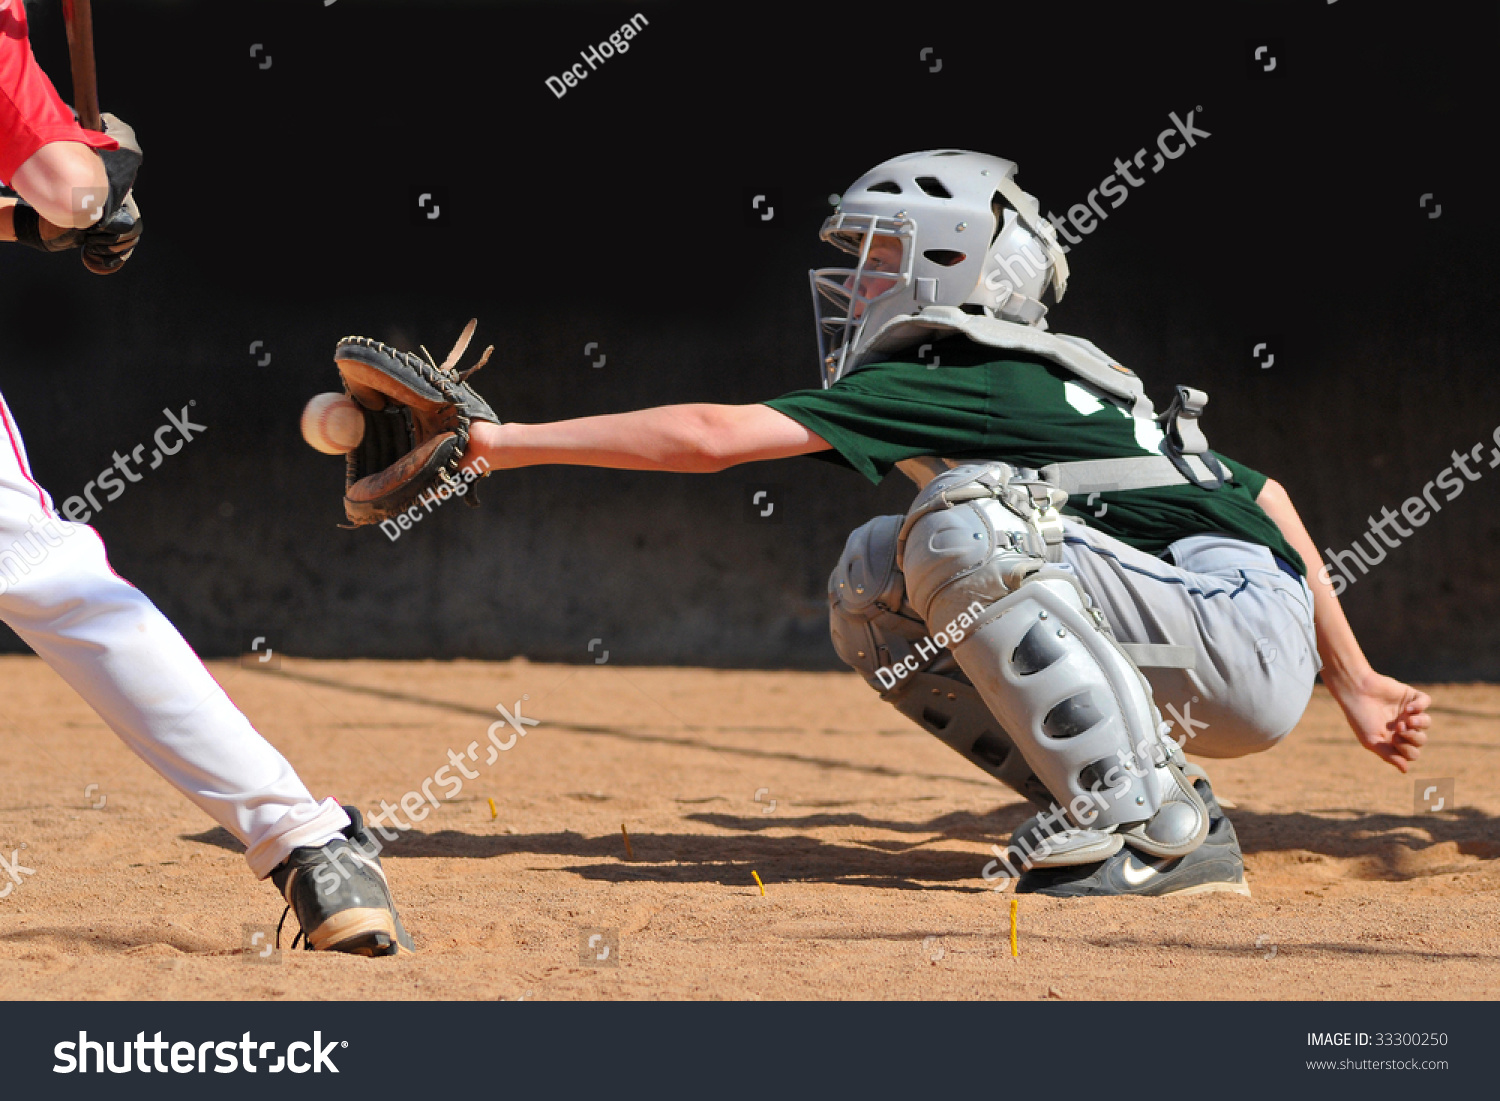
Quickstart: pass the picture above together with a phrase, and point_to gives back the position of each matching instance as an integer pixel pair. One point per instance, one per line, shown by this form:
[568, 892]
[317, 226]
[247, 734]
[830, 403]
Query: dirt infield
[868, 835]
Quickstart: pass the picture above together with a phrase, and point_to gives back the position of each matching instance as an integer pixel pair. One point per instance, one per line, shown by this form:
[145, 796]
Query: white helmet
[969, 236]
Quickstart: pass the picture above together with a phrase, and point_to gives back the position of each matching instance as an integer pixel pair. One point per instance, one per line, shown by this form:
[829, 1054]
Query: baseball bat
[79, 17]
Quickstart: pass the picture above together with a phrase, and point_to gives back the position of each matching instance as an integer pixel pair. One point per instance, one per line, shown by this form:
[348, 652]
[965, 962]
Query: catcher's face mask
[842, 297]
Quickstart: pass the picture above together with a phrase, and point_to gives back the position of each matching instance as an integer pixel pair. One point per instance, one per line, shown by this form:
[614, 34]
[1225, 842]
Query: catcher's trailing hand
[417, 417]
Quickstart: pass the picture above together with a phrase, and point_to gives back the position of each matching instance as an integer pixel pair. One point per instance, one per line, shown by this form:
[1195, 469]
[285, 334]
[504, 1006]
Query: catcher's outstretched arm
[688, 439]
[1389, 718]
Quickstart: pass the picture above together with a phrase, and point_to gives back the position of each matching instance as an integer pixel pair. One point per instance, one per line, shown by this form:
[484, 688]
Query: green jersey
[1027, 411]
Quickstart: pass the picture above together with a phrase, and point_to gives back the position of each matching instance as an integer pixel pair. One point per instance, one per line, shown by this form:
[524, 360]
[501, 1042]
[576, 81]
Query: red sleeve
[32, 114]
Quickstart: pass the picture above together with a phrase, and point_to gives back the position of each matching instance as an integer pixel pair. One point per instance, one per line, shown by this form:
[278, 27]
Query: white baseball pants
[117, 651]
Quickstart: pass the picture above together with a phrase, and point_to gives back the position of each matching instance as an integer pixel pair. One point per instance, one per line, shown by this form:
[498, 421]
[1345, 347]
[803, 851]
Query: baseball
[333, 424]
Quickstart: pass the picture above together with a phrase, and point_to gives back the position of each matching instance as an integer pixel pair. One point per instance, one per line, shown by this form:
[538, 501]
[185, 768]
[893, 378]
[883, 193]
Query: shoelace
[307, 944]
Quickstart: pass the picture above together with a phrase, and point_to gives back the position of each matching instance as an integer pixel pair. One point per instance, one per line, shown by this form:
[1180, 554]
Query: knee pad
[873, 626]
[1043, 661]
[877, 632]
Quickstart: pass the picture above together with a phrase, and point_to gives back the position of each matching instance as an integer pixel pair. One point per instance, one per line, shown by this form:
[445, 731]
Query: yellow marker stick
[1014, 905]
[493, 812]
[758, 883]
[629, 852]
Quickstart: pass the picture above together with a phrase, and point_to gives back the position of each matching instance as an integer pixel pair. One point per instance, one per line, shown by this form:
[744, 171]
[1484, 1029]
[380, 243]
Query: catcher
[1081, 587]
[71, 188]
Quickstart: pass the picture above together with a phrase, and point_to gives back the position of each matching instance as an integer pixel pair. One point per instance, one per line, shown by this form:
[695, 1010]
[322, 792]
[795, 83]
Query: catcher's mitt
[417, 417]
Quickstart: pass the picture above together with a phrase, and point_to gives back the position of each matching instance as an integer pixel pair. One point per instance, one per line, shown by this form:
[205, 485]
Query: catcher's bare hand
[1389, 718]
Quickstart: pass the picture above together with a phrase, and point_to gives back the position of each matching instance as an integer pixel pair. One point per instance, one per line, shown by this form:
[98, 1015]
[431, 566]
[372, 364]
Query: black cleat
[1215, 865]
[340, 894]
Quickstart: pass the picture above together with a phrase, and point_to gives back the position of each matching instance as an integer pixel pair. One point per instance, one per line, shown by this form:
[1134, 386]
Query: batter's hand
[108, 245]
[1389, 718]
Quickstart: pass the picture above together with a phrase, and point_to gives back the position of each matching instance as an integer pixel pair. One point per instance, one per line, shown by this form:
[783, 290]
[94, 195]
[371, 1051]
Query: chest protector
[1184, 458]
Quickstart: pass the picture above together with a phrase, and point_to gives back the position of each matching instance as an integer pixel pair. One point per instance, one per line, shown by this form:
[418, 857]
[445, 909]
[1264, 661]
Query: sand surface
[869, 837]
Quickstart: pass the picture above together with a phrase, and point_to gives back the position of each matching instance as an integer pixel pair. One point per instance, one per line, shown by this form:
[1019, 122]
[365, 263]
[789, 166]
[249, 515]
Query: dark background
[280, 206]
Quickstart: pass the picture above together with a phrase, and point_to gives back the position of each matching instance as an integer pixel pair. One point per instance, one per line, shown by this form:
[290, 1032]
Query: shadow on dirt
[639, 736]
[1381, 847]
[700, 858]
[1378, 846]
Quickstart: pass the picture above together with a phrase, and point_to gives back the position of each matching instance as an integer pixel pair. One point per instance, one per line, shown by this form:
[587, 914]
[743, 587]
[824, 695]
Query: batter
[71, 188]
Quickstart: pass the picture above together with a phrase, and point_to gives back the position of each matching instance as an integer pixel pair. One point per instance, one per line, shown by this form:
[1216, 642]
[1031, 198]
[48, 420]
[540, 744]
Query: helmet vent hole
[934, 187]
[997, 208]
[945, 256]
[890, 187]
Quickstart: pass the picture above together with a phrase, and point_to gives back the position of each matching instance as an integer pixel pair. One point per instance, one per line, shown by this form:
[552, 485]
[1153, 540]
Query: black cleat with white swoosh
[1215, 865]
